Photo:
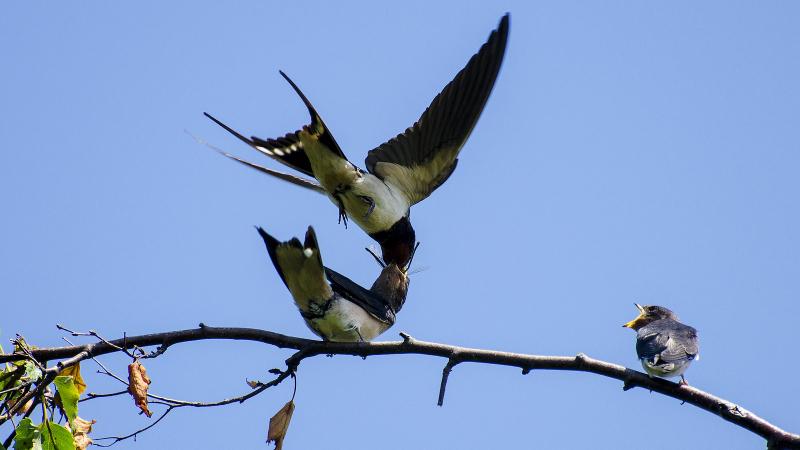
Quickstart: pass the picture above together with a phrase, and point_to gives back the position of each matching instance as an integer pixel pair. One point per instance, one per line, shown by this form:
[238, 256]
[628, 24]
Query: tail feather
[299, 181]
[272, 246]
[300, 268]
[317, 127]
[311, 243]
[287, 150]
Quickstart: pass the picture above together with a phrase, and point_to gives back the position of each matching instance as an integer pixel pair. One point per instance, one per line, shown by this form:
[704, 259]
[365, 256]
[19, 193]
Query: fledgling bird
[334, 307]
[400, 172]
[665, 346]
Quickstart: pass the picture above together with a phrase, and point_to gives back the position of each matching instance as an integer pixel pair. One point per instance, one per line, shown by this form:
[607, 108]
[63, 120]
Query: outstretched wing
[422, 158]
[373, 303]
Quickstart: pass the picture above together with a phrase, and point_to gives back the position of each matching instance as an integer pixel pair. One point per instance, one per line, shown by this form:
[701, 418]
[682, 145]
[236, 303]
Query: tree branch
[776, 437]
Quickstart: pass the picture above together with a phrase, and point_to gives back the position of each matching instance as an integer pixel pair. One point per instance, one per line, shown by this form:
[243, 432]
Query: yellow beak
[633, 323]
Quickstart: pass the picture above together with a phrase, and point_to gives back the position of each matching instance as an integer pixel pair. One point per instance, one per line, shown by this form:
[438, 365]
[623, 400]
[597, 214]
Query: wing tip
[500, 34]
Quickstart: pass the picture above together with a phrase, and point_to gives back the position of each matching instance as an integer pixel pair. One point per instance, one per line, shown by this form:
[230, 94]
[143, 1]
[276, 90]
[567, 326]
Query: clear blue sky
[630, 152]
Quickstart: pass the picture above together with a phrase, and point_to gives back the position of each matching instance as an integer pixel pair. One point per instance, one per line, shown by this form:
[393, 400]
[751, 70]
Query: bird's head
[648, 314]
[397, 243]
[392, 284]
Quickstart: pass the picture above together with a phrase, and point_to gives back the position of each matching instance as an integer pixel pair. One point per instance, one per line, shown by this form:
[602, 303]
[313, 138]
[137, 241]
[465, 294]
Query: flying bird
[400, 172]
[665, 346]
[334, 307]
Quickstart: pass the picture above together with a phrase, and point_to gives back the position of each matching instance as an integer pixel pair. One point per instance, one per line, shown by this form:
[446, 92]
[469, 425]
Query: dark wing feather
[420, 159]
[373, 303]
[287, 149]
[669, 340]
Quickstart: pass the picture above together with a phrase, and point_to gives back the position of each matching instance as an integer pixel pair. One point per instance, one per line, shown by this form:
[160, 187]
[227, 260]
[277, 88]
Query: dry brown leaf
[77, 379]
[12, 402]
[253, 383]
[279, 423]
[25, 408]
[80, 432]
[81, 441]
[82, 426]
[138, 382]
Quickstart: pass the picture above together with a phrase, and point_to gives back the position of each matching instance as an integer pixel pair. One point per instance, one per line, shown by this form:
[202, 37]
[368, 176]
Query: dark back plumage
[373, 303]
[669, 340]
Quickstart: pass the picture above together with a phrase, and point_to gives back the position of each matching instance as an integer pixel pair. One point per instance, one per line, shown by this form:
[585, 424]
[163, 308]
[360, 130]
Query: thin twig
[92, 333]
[132, 435]
[92, 395]
[16, 388]
[172, 403]
[10, 416]
[452, 362]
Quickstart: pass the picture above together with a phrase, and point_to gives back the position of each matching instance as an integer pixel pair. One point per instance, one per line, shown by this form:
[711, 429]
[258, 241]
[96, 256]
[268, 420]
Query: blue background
[630, 152]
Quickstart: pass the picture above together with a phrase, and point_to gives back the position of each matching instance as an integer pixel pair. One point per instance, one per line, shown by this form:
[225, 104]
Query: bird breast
[347, 322]
[390, 204]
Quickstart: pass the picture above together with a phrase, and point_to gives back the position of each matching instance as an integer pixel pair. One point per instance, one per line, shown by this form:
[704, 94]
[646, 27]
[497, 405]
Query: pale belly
[390, 205]
[665, 370]
[347, 322]
[336, 174]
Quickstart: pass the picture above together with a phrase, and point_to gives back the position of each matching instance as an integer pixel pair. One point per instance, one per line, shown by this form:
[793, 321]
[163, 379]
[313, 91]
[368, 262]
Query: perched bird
[665, 346]
[400, 172]
[334, 307]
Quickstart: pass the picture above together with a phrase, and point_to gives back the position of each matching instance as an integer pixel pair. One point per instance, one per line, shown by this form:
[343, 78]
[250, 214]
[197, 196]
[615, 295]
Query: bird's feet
[370, 204]
[343, 216]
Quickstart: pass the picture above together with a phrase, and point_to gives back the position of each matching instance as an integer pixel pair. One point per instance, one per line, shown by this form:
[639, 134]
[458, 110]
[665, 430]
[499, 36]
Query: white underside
[345, 321]
[665, 370]
[390, 204]
[334, 172]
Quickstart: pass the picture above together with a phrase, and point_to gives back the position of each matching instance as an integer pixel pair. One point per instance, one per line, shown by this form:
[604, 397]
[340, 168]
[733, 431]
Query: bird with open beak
[400, 172]
[334, 307]
[665, 346]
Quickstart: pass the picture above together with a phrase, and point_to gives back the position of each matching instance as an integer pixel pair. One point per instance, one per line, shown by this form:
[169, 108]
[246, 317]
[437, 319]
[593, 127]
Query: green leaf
[55, 437]
[75, 372]
[68, 393]
[32, 373]
[26, 436]
[5, 381]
